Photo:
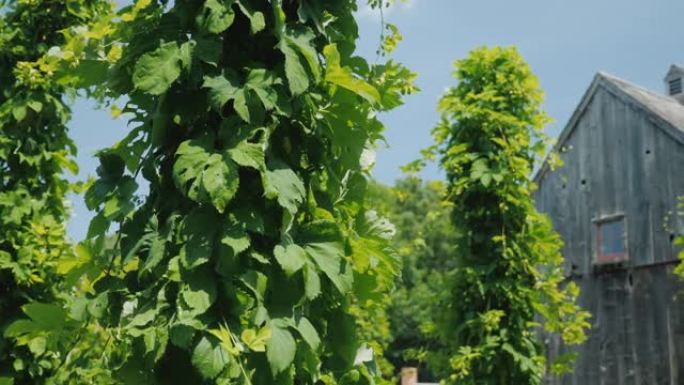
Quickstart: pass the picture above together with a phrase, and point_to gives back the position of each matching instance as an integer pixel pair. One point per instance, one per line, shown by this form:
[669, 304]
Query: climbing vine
[509, 273]
[253, 124]
[35, 152]
[679, 241]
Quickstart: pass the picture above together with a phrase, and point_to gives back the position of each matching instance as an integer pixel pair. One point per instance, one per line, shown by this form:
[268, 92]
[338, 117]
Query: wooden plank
[638, 206]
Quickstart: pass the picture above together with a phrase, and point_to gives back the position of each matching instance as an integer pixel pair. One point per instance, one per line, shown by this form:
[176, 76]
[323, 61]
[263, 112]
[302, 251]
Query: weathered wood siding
[617, 161]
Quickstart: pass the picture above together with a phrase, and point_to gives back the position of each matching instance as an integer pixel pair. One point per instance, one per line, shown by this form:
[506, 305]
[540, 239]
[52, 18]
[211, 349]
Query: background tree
[424, 239]
[35, 151]
[252, 123]
[509, 268]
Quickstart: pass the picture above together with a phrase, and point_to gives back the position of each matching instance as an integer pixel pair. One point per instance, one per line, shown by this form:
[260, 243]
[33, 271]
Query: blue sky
[565, 41]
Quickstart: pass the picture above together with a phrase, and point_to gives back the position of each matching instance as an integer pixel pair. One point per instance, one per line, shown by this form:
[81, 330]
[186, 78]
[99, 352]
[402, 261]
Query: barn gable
[666, 112]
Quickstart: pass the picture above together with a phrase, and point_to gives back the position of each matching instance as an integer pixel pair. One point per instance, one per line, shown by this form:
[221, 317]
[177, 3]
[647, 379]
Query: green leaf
[196, 253]
[240, 105]
[97, 307]
[256, 18]
[6, 381]
[155, 254]
[251, 217]
[256, 282]
[216, 16]
[290, 257]
[236, 238]
[35, 105]
[134, 372]
[312, 282]
[182, 336]
[209, 49]
[329, 257]
[200, 228]
[37, 345]
[248, 106]
[261, 82]
[324, 244]
[20, 327]
[155, 340]
[88, 73]
[372, 246]
[256, 341]
[220, 179]
[309, 333]
[284, 184]
[48, 316]
[344, 77]
[281, 348]
[296, 45]
[155, 71]
[248, 154]
[19, 113]
[486, 179]
[142, 319]
[191, 155]
[310, 12]
[203, 176]
[297, 77]
[187, 172]
[209, 358]
[185, 54]
[221, 90]
[250, 101]
[98, 226]
[82, 256]
[302, 42]
[225, 336]
[199, 291]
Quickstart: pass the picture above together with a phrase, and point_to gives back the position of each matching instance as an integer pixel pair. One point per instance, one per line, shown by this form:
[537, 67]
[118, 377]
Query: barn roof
[665, 107]
[665, 112]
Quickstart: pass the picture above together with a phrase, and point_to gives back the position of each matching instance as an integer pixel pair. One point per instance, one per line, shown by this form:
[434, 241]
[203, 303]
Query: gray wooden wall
[617, 161]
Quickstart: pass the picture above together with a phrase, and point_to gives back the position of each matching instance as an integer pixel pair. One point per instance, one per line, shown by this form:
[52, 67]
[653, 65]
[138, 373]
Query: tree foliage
[424, 240]
[679, 241]
[252, 124]
[509, 272]
[35, 151]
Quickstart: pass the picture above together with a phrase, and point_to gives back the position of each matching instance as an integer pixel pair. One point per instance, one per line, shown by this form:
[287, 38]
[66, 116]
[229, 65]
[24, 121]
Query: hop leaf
[157, 70]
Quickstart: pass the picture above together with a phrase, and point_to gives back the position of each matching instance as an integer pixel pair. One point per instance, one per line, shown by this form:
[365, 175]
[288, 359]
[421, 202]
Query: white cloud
[365, 11]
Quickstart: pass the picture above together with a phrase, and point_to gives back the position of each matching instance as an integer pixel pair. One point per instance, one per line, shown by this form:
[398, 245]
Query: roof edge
[603, 79]
[570, 125]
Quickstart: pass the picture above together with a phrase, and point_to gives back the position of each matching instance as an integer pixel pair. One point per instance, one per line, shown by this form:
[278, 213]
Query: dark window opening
[611, 241]
[676, 86]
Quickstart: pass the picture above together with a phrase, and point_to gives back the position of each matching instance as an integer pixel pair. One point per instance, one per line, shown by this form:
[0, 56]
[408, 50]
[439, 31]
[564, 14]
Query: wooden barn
[614, 203]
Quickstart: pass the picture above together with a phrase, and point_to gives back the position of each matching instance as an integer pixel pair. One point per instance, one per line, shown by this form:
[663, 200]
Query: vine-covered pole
[509, 275]
[253, 124]
[35, 152]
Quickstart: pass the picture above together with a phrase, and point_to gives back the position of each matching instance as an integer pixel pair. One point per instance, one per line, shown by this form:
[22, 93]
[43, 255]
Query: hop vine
[509, 276]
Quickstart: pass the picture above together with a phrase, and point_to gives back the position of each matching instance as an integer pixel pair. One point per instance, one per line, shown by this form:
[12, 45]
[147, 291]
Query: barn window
[611, 242]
